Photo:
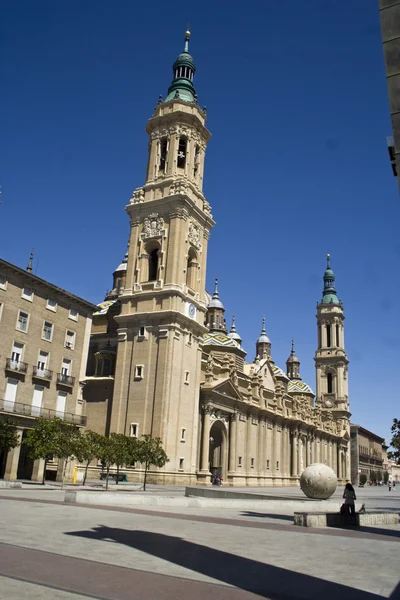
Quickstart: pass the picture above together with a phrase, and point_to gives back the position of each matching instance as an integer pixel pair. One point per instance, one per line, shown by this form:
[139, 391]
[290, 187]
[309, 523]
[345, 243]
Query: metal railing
[42, 373]
[65, 379]
[16, 365]
[27, 410]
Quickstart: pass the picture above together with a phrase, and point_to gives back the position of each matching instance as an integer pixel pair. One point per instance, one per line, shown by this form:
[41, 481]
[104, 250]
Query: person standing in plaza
[349, 496]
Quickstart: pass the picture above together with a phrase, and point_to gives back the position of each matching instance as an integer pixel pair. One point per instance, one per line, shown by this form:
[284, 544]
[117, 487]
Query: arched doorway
[218, 450]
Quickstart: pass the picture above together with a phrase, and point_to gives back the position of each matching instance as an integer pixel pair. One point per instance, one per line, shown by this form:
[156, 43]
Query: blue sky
[297, 165]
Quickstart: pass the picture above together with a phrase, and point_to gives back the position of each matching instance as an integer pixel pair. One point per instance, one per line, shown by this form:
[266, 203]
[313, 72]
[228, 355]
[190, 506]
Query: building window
[142, 331]
[133, 430]
[153, 264]
[181, 464]
[51, 304]
[328, 336]
[163, 154]
[190, 338]
[42, 362]
[70, 339]
[330, 383]
[66, 367]
[16, 354]
[239, 461]
[183, 435]
[196, 159]
[22, 324]
[267, 464]
[3, 282]
[73, 314]
[337, 336]
[182, 152]
[61, 402]
[187, 375]
[11, 394]
[217, 322]
[252, 463]
[191, 269]
[27, 293]
[277, 465]
[47, 331]
[139, 371]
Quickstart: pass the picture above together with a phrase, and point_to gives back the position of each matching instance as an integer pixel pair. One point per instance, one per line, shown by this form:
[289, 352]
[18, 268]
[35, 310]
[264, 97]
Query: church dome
[263, 339]
[215, 301]
[233, 334]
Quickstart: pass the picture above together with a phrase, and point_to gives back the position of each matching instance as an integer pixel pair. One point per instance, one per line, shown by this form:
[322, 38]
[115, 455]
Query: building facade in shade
[44, 341]
[367, 454]
[173, 369]
[389, 11]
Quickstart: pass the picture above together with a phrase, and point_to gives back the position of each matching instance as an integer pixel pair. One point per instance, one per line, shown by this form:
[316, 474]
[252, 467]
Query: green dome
[184, 69]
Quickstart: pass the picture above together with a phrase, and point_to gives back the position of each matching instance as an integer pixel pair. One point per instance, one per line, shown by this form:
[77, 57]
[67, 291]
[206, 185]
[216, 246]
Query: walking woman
[349, 496]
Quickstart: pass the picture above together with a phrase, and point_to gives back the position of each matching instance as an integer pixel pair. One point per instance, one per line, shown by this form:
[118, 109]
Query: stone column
[38, 470]
[11, 470]
[294, 454]
[339, 461]
[273, 450]
[307, 451]
[300, 454]
[248, 446]
[284, 468]
[232, 443]
[261, 447]
[205, 446]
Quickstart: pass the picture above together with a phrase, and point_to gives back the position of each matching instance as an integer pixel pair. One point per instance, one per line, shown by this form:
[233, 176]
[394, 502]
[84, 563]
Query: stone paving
[52, 550]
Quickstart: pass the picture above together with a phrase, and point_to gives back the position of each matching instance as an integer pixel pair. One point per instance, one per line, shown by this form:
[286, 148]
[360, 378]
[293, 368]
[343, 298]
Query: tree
[87, 448]
[124, 450]
[106, 455]
[8, 437]
[372, 476]
[394, 454]
[363, 479]
[385, 477]
[150, 452]
[53, 437]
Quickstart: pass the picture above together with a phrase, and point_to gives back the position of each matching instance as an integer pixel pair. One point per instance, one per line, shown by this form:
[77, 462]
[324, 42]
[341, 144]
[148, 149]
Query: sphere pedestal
[318, 481]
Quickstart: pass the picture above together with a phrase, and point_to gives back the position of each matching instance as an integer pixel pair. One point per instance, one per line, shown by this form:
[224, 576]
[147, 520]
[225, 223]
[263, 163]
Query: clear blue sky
[297, 165]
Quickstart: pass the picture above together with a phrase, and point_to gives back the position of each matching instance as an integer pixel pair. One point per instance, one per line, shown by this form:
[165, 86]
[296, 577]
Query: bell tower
[163, 304]
[330, 358]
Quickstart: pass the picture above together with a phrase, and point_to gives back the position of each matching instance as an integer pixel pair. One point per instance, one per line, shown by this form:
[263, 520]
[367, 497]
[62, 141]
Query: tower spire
[263, 345]
[30, 263]
[233, 334]
[293, 365]
[329, 292]
[216, 311]
[182, 87]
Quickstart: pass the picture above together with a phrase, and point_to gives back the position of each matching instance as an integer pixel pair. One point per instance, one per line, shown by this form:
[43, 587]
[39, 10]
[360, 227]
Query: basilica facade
[162, 361]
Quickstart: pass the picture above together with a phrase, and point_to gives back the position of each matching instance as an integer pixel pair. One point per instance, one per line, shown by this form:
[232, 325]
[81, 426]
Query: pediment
[227, 388]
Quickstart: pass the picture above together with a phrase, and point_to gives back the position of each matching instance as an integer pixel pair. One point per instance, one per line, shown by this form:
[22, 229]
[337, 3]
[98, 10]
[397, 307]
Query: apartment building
[44, 341]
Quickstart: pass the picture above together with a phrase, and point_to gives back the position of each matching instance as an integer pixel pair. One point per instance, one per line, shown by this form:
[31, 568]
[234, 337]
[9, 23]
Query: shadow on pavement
[267, 515]
[274, 583]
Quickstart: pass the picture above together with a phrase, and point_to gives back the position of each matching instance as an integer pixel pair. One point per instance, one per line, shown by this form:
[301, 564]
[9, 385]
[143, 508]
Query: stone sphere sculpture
[318, 481]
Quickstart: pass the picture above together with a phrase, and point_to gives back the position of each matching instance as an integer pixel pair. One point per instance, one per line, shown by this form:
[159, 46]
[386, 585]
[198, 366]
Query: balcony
[42, 373]
[16, 365]
[27, 410]
[64, 379]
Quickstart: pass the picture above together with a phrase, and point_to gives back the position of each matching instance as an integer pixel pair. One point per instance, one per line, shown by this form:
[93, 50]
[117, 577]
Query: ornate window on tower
[191, 269]
[196, 160]
[182, 147]
[329, 378]
[163, 154]
[153, 264]
[337, 335]
[328, 336]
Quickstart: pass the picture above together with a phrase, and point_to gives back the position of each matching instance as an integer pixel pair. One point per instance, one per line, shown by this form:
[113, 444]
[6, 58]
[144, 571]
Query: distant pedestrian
[390, 486]
[349, 496]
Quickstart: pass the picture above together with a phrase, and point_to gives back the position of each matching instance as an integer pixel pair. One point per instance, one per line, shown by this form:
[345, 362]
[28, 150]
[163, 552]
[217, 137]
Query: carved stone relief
[152, 226]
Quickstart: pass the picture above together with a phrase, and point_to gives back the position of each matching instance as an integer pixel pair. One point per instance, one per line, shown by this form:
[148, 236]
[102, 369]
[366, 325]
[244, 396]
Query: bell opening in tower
[163, 153]
[153, 265]
[182, 152]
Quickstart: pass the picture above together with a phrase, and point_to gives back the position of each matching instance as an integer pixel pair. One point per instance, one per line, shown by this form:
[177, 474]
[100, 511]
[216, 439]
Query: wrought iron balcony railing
[28, 410]
[42, 373]
[16, 365]
[65, 379]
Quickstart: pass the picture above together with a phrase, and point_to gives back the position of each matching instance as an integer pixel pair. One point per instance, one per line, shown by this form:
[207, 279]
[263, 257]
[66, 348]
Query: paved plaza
[52, 550]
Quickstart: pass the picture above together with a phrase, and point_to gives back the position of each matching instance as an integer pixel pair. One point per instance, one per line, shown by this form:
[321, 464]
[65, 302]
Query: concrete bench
[365, 519]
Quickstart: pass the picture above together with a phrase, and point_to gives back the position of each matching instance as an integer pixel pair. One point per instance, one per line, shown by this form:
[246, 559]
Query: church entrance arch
[218, 450]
